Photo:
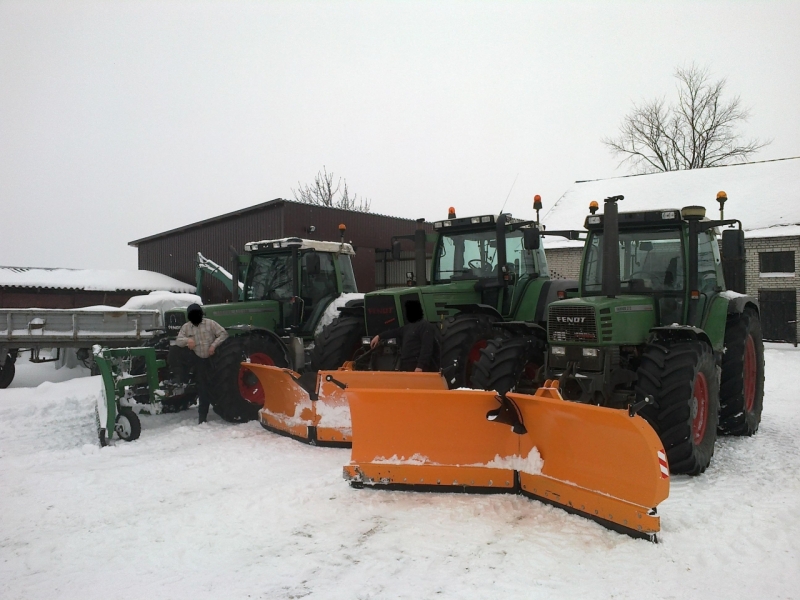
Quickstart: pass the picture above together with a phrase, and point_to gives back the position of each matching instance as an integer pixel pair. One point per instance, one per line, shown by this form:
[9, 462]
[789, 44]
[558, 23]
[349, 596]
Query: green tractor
[288, 286]
[489, 278]
[655, 331]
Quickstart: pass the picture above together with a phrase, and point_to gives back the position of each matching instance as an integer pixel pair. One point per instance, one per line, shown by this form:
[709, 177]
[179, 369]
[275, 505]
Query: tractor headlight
[391, 342]
[592, 352]
[558, 350]
[365, 341]
[594, 220]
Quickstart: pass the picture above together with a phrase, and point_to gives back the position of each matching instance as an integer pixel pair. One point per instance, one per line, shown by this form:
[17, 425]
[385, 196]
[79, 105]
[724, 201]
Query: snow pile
[531, 464]
[333, 310]
[110, 280]
[161, 301]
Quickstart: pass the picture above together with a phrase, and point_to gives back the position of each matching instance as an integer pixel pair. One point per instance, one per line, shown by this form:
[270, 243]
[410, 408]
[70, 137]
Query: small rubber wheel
[127, 425]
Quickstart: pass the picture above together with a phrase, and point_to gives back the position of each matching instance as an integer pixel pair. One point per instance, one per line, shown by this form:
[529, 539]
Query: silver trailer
[34, 329]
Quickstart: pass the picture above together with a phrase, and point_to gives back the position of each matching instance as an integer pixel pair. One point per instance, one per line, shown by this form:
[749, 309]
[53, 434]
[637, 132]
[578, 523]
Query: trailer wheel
[337, 343]
[463, 337]
[236, 392]
[127, 425]
[7, 372]
[511, 364]
[742, 389]
[684, 381]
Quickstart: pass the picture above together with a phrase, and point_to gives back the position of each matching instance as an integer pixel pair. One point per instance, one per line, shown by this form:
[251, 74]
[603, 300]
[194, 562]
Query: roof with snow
[764, 196]
[111, 280]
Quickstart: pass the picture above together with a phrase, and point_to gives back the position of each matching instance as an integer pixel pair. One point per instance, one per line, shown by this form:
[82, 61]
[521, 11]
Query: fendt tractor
[489, 277]
[286, 287]
[655, 328]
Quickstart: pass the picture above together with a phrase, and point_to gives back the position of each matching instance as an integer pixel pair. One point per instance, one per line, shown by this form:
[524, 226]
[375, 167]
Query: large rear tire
[463, 337]
[7, 372]
[337, 343]
[511, 364]
[742, 387]
[236, 393]
[683, 379]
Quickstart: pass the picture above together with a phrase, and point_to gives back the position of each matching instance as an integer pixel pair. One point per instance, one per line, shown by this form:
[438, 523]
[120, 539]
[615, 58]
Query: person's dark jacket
[419, 345]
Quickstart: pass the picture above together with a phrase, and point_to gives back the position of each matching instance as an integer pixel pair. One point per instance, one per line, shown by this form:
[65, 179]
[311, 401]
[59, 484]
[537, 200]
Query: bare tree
[323, 192]
[697, 131]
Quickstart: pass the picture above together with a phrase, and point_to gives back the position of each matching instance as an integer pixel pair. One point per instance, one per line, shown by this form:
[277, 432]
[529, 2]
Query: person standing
[419, 341]
[196, 343]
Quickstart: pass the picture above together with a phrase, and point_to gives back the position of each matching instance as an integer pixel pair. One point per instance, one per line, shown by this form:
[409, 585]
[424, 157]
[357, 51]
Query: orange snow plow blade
[600, 463]
[316, 410]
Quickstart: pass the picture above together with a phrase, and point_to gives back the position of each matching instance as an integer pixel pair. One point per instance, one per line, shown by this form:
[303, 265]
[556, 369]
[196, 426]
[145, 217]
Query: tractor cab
[300, 278]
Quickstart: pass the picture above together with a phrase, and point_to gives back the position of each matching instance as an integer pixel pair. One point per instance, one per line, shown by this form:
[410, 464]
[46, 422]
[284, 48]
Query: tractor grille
[571, 324]
[381, 314]
[173, 321]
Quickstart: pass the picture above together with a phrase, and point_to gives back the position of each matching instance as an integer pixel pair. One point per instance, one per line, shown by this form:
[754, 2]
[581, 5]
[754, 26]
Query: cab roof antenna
[509, 194]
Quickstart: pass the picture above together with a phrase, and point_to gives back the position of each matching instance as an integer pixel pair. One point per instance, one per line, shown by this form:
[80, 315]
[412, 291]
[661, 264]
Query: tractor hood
[384, 309]
[599, 320]
[263, 314]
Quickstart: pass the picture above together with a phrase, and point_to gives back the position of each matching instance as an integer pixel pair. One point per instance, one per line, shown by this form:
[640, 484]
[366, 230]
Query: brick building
[764, 196]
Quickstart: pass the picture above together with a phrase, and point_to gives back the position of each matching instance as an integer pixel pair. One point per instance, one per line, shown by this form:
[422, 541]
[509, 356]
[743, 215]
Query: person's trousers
[182, 362]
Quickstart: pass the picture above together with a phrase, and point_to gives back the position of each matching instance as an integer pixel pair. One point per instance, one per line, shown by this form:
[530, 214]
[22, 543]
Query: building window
[776, 264]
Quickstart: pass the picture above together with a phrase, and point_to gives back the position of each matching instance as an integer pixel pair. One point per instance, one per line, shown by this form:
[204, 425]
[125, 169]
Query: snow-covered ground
[223, 511]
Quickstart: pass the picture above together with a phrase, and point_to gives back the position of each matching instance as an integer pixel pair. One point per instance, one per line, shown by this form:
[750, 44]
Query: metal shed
[173, 252]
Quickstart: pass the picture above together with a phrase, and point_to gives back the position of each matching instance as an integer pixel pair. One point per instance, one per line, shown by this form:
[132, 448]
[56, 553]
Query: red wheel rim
[699, 408]
[249, 385]
[530, 370]
[475, 352]
[750, 369]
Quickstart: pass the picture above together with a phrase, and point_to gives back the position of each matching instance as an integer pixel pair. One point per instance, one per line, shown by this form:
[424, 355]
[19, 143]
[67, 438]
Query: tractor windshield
[473, 255]
[649, 261]
[269, 277]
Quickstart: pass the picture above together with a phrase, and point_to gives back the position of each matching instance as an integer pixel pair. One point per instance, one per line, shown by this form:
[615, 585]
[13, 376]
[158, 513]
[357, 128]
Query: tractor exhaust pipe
[420, 239]
[611, 286]
[501, 250]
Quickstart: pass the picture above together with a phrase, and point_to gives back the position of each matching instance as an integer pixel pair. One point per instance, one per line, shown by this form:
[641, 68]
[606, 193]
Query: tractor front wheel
[463, 337]
[337, 343]
[236, 393]
[742, 388]
[683, 379]
[507, 365]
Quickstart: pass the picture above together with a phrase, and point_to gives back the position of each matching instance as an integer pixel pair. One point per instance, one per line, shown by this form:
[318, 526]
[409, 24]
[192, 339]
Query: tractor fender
[353, 308]
[739, 302]
[249, 329]
[522, 328]
[673, 332]
[484, 309]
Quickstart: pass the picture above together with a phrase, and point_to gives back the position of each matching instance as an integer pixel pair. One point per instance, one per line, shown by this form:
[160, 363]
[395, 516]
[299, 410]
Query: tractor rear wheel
[236, 393]
[742, 388]
[507, 365]
[7, 372]
[463, 337]
[337, 343]
[683, 379]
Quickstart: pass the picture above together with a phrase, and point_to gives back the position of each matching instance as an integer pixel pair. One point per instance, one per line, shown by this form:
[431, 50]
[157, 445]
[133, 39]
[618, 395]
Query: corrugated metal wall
[173, 253]
[392, 273]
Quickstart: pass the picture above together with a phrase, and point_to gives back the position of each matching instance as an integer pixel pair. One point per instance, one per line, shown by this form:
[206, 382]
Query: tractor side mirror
[312, 263]
[733, 260]
[531, 240]
[395, 250]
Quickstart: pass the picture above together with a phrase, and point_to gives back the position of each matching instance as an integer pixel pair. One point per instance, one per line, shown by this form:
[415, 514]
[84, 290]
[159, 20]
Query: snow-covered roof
[344, 248]
[110, 280]
[764, 196]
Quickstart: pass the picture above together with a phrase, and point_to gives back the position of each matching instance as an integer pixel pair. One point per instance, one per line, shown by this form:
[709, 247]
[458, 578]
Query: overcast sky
[119, 120]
